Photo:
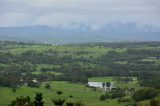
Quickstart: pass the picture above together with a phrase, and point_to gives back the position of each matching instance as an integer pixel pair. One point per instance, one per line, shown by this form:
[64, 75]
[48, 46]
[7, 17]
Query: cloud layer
[68, 13]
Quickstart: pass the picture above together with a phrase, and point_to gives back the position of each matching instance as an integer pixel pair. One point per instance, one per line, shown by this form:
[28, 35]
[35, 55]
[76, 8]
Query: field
[40, 66]
[95, 51]
[79, 92]
[70, 67]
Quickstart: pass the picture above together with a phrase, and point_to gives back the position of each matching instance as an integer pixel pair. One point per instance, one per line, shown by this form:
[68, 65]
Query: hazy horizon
[73, 13]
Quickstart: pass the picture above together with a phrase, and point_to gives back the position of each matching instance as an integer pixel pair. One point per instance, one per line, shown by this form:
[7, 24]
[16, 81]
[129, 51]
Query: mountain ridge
[80, 34]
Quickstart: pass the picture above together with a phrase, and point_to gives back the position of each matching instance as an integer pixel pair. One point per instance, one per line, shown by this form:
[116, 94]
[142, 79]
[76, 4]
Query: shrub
[102, 98]
[58, 102]
[79, 103]
[142, 94]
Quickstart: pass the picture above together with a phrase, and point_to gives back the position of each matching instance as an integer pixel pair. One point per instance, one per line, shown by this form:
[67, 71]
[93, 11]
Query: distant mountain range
[81, 34]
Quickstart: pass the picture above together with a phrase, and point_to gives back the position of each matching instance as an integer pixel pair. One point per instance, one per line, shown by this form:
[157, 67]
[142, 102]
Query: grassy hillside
[79, 92]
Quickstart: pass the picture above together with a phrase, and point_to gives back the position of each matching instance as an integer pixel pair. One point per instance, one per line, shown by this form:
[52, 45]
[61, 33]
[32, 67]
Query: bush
[107, 96]
[142, 94]
[58, 102]
[69, 103]
[47, 86]
[124, 100]
[39, 100]
[22, 101]
[102, 98]
[117, 93]
[14, 89]
[79, 103]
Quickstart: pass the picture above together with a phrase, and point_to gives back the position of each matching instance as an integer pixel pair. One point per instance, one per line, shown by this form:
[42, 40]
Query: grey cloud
[89, 12]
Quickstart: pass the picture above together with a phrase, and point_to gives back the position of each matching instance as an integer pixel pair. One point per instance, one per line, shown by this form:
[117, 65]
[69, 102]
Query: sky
[72, 13]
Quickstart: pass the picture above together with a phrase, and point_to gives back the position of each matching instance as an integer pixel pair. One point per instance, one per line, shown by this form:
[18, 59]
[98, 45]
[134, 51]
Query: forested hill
[81, 34]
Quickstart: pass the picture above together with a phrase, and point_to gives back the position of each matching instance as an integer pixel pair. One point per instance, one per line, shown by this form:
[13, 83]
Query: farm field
[26, 69]
[79, 92]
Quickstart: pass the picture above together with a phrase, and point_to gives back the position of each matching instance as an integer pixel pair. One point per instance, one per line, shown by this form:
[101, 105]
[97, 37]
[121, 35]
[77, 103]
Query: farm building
[105, 86]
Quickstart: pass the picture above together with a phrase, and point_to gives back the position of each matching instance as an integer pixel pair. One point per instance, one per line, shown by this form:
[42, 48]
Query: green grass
[94, 51]
[144, 103]
[89, 97]
[51, 72]
[101, 79]
[39, 66]
[3, 65]
[157, 61]
[147, 102]
[121, 62]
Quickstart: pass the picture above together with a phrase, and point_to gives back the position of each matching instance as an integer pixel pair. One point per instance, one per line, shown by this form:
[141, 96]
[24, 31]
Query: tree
[108, 84]
[70, 103]
[117, 93]
[38, 100]
[107, 96]
[103, 84]
[14, 89]
[146, 93]
[79, 103]
[102, 98]
[22, 101]
[59, 101]
[47, 86]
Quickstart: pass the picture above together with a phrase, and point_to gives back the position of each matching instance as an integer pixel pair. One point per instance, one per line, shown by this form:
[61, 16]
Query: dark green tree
[79, 103]
[38, 100]
[146, 93]
[59, 101]
[102, 98]
[22, 101]
[47, 86]
[70, 102]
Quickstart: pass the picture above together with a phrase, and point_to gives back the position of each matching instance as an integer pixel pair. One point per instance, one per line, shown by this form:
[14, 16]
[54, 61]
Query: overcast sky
[69, 13]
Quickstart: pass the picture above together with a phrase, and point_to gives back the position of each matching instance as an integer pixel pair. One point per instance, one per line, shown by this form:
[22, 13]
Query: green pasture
[40, 66]
[157, 61]
[93, 51]
[101, 79]
[147, 102]
[79, 92]
[51, 72]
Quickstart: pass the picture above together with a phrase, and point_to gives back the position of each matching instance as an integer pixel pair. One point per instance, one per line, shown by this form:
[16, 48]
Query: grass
[121, 62]
[101, 79]
[147, 102]
[157, 61]
[79, 91]
[51, 72]
[39, 66]
[94, 51]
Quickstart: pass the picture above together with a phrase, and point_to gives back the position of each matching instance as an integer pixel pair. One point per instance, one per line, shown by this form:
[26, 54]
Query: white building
[105, 86]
